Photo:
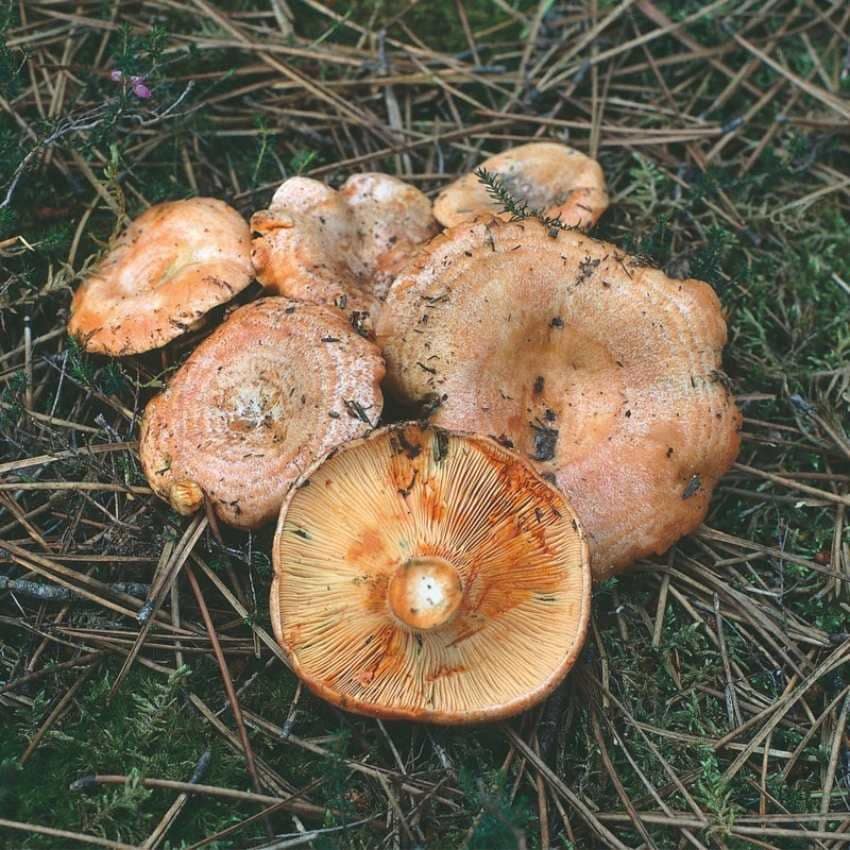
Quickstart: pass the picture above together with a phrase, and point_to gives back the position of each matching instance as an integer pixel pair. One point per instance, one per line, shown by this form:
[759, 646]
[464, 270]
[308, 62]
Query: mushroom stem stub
[186, 497]
[424, 593]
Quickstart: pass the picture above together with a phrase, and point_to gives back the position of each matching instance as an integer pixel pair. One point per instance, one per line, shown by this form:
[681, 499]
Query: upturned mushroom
[341, 248]
[273, 388]
[427, 575]
[551, 178]
[171, 266]
[602, 370]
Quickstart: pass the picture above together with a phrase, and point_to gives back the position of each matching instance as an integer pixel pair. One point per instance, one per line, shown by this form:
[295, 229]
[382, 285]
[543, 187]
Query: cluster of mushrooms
[572, 417]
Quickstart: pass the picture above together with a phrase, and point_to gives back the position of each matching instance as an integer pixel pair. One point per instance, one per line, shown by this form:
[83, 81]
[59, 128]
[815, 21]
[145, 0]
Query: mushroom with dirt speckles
[341, 248]
[269, 391]
[167, 270]
[429, 575]
[603, 371]
[555, 179]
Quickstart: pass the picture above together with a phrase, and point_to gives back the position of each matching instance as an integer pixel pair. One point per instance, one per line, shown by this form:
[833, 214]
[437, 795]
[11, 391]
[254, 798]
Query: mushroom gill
[429, 575]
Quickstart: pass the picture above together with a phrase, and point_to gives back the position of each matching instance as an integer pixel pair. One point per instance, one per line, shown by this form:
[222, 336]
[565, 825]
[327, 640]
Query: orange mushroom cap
[393, 219]
[273, 388]
[602, 370]
[341, 248]
[169, 268]
[427, 575]
[554, 178]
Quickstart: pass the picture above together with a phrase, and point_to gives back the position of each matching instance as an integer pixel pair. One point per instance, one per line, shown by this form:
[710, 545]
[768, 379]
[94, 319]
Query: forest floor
[710, 707]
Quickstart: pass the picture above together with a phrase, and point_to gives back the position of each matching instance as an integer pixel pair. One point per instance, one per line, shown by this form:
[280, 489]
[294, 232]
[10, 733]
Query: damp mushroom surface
[171, 266]
[272, 389]
[427, 575]
[603, 371]
[339, 247]
[555, 179]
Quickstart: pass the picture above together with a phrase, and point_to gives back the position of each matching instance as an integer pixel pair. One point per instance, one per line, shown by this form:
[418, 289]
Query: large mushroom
[603, 370]
[341, 248]
[427, 575]
[550, 178]
[169, 268]
[273, 388]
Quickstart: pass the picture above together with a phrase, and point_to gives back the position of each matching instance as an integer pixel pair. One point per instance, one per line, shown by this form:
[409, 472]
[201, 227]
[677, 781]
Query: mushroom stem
[186, 497]
[424, 593]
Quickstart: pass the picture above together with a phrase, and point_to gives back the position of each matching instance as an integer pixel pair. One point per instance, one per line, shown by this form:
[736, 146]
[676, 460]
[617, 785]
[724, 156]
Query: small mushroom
[341, 248]
[171, 266]
[273, 388]
[556, 179]
[429, 575]
[602, 370]
[393, 220]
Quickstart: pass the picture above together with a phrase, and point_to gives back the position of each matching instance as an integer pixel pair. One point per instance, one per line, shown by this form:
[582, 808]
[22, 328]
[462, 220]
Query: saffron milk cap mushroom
[553, 178]
[429, 575]
[393, 219]
[603, 371]
[269, 391]
[305, 246]
[171, 266]
[341, 248]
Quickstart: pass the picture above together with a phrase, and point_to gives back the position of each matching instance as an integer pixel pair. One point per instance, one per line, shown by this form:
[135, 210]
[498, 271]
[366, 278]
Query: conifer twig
[518, 210]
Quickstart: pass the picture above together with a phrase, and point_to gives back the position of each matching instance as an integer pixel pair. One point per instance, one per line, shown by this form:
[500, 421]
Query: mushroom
[604, 371]
[169, 268]
[393, 220]
[429, 575]
[552, 178]
[341, 248]
[273, 388]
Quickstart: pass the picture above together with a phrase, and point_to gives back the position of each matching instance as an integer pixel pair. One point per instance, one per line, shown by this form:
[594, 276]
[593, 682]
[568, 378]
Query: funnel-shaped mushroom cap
[602, 370]
[275, 387]
[341, 248]
[429, 575]
[171, 266]
[554, 178]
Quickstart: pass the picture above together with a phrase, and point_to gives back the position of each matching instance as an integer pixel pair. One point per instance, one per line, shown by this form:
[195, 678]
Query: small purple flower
[137, 84]
[139, 88]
